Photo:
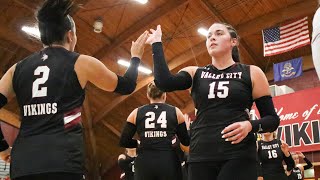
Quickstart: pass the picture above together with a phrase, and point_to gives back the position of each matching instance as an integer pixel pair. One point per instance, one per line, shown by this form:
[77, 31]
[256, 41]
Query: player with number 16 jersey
[271, 153]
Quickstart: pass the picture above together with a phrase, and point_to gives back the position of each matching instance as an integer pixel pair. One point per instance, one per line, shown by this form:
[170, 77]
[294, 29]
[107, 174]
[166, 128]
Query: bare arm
[90, 69]
[309, 164]
[128, 131]
[182, 132]
[269, 120]
[260, 84]
[287, 156]
[132, 116]
[6, 87]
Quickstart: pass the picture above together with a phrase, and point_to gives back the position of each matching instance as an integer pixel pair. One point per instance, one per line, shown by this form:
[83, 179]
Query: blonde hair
[153, 91]
[274, 135]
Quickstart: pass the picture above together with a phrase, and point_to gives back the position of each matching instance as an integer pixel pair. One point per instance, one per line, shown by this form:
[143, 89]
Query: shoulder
[142, 107]
[132, 117]
[190, 69]
[256, 72]
[86, 59]
[30, 57]
[178, 111]
[134, 112]
[300, 167]
[260, 143]
[121, 156]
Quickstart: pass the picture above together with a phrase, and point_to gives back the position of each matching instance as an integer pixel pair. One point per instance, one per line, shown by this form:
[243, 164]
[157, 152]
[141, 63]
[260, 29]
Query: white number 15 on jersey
[223, 89]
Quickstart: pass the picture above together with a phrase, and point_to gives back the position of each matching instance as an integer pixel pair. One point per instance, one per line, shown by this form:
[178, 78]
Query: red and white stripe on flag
[286, 37]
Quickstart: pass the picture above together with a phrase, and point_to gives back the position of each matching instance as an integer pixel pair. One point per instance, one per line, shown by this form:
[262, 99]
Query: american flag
[286, 37]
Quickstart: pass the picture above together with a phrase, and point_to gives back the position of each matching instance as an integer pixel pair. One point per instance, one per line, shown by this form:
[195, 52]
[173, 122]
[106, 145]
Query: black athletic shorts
[157, 165]
[235, 169]
[52, 176]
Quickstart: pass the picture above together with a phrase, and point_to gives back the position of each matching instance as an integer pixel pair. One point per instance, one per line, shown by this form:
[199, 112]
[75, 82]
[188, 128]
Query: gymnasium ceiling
[124, 20]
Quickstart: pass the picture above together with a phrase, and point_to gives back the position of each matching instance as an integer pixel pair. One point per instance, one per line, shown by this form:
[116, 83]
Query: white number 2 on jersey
[36, 92]
[221, 87]
[152, 116]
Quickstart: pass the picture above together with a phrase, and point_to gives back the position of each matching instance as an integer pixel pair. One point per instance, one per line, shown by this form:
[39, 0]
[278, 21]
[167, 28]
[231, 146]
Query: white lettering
[40, 109]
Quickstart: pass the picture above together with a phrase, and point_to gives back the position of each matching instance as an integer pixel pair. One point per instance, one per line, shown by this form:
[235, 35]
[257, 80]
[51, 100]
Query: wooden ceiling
[124, 20]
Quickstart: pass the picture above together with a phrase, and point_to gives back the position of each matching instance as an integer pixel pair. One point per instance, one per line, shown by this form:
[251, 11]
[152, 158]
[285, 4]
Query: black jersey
[156, 125]
[49, 96]
[271, 157]
[221, 98]
[296, 174]
[127, 168]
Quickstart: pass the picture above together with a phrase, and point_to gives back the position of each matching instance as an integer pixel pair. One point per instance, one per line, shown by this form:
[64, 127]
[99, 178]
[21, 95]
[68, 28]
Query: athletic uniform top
[156, 125]
[296, 174]
[127, 168]
[271, 157]
[221, 98]
[49, 96]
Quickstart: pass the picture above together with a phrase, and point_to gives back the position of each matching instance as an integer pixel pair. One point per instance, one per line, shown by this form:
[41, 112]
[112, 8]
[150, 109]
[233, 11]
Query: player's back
[49, 96]
[156, 125]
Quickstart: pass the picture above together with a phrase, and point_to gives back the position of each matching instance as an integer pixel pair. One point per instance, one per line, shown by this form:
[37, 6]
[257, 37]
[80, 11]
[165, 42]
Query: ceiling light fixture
[203, 31]
[98, 25]
[142, 1]
[32, 31]
[140, 68]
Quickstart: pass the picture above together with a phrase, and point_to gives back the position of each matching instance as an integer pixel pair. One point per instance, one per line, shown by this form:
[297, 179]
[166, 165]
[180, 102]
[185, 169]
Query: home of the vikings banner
[299, 114]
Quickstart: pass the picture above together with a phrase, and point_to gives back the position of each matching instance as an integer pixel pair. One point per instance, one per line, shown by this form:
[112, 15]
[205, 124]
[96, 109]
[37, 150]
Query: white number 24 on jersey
[149, 122]
[223, 89]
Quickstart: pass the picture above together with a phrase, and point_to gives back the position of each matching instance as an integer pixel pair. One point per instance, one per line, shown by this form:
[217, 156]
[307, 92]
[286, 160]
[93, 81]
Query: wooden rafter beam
[21, 39]
[139, 26]
[18, 38]
[243, 45]
[174, 63]
[10, 118]
[112, 129]
[90, 141]
[189, 107]
[108, 107]
[175, 98]
[245, 29]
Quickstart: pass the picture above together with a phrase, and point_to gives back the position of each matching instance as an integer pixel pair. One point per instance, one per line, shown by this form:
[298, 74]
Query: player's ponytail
[153, 91]
[54, 20]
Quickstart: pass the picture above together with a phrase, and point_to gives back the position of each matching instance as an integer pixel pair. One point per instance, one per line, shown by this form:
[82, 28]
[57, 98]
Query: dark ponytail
[54, 21]
[235, 54]
[235, 50]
